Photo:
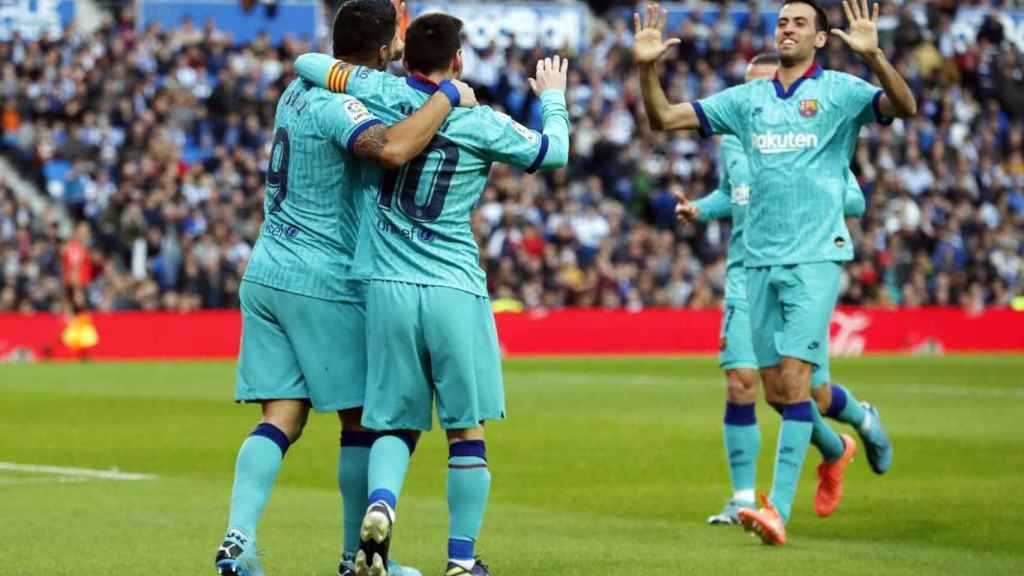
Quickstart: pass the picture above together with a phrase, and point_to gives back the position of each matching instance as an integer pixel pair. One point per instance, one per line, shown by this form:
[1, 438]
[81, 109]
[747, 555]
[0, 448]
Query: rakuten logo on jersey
[784, 143]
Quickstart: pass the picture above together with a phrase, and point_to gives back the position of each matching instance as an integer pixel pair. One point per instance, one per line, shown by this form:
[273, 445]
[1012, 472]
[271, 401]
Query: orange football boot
[830, 479]
[766, 522]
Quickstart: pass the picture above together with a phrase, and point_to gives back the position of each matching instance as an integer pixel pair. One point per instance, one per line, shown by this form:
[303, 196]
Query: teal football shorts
[790, 311]
[737, 343]
[296, 347]
[736, 347]
[427, 344]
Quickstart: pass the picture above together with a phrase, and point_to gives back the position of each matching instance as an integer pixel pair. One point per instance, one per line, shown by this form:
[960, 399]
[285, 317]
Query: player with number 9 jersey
[306, 248]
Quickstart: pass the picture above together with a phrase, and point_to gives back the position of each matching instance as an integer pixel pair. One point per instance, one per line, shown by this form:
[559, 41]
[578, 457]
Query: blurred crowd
[156, 144]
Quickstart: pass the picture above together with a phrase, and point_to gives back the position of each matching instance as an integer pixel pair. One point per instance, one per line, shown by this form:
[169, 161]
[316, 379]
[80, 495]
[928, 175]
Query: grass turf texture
[605, 467]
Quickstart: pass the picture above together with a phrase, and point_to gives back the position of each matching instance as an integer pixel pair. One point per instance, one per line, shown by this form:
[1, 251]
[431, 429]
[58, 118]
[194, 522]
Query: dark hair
[431, 42]
[361, 27]
[765, 59]
[821, 22]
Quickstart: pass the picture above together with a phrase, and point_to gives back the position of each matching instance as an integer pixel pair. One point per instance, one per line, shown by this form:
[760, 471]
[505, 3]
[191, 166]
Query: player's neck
[364, 62]
[435, 77]
[791, 72]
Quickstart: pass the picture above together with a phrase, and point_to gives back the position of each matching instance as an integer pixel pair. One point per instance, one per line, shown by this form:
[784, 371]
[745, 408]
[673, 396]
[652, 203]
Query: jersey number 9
[277, 173]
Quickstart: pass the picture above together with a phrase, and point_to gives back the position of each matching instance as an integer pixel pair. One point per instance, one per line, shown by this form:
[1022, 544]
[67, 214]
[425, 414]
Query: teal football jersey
[308, 238]
[731, 198]
[415, 225]
[799, 144]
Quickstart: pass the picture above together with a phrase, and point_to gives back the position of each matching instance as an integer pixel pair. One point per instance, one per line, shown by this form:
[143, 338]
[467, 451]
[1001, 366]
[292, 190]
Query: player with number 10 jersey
[430, 328]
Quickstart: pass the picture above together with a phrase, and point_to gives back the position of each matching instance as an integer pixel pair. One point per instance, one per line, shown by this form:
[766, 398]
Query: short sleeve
[345, 118]
[724, 112]
[864, 98]
[502, 139]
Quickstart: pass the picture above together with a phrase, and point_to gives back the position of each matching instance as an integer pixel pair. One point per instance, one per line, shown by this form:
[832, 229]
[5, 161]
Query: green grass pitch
[606, 466]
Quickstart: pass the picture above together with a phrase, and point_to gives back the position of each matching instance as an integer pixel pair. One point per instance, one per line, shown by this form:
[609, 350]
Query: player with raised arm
[303, 332]
[799, 132]
[741, 434]
[430, 327]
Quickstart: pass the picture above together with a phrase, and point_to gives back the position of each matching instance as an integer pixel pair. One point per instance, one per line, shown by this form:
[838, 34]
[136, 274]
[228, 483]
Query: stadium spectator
[153, 145]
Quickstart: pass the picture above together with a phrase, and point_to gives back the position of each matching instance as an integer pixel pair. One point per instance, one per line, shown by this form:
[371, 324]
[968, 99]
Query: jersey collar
[421, 83]
[814, 71]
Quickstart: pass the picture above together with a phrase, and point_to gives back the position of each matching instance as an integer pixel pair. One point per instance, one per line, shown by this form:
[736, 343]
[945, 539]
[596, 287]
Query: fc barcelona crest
[808, 108]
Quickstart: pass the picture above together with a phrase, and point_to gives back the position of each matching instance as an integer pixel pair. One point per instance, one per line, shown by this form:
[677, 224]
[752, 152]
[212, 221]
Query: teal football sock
[353, 461]
[794, 438]
[469, 485]
[742, 444]
[824, 438]
[389, 461]
[259, 460]
[846, 408]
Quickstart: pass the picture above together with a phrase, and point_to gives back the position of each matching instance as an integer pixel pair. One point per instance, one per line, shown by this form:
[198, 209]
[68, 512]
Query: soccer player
[737, 359]
[303, 333]
[799, 132]
[431, 333]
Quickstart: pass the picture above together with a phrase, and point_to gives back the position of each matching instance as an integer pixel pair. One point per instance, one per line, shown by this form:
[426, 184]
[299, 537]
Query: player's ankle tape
[459, 549]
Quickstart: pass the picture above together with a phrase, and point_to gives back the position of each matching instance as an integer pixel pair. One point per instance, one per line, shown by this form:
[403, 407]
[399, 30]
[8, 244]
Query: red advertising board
[215, 334]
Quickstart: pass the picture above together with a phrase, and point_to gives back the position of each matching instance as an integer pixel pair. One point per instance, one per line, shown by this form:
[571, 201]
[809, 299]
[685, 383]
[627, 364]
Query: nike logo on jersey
[784, 143]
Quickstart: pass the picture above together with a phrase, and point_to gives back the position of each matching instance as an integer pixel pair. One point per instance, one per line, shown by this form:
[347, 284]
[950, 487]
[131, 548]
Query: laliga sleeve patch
[523, 131]
[356, 112]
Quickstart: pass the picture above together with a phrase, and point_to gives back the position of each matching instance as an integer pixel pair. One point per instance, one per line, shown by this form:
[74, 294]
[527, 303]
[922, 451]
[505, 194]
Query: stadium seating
[157, 140]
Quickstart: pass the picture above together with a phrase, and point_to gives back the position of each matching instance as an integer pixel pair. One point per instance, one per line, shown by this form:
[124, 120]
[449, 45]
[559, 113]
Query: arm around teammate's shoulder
[395, 146]
[391, 146]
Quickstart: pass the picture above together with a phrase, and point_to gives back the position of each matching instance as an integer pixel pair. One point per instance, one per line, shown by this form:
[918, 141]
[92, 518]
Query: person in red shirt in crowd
[76, 263]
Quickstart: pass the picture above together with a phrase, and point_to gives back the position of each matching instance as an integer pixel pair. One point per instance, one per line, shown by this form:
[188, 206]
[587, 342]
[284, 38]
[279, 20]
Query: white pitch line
[75, 472]
[42, 480]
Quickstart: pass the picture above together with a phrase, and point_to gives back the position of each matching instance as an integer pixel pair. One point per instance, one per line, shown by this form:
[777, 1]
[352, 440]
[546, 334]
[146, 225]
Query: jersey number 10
[410, 176]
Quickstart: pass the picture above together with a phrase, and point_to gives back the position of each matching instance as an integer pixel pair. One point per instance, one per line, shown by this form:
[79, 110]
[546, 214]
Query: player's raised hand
[551, 75]
[467, 98]
[403, 17]
[686, 211]
[648, 44]
[863, 35]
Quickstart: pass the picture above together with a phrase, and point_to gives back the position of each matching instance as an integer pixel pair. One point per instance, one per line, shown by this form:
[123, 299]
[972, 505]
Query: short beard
[787, 61]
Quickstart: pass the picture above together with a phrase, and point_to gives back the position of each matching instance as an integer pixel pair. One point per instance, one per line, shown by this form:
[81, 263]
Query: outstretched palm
[648, 45]
[863, 35]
